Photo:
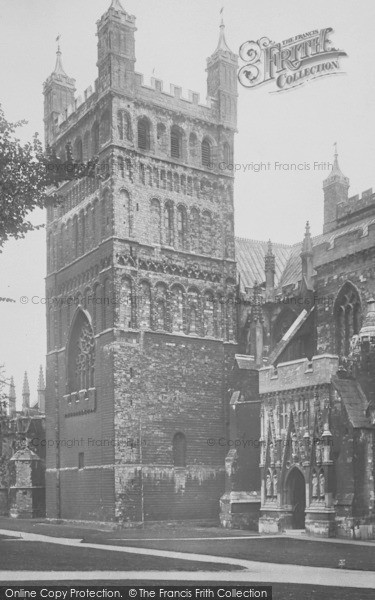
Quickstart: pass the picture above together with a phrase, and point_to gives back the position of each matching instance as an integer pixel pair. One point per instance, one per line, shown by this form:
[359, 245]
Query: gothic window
[183, 184]
[181, 227]
[207, 232]
[145, 305]
[230, 317]
[126, 211]
[176, 142]
[163, 180]
[169, 181]
[121, 167]
[206, 153]
[78, 150]
[179, 450]
[195, 226]
[189, 186]
[193, 145]
[208, 315]
[81, 354]
[95, 139]
[347, 312]
[105, 215]
[176, 182]
[160, 306]
[124, 125]
[193, 325]
[86, 146]
[105, 127]
[227, 154]
[161, 136]
[168, 224]
[126, 303]
[220, 316]
[144, 130]
[106, 305]
[177, 309]
[155, 221]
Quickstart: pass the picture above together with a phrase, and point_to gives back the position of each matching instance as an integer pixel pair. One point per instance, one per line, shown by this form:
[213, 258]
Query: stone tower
[141, 262]
[335, 189]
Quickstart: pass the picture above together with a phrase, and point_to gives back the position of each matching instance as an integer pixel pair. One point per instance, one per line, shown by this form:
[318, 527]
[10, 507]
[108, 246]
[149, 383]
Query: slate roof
[354, 400]
[250, 260]
[250, 255]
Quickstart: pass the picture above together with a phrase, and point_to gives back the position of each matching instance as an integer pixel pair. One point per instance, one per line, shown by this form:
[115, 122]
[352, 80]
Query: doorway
[297, 497]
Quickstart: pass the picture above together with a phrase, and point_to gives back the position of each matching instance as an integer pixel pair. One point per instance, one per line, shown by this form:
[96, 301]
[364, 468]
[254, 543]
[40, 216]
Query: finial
[307, 246]
[222, 45]
[25, 388]
[335, 147]
[269, 248]
[59, 69]
[41, 384]
[116, 4]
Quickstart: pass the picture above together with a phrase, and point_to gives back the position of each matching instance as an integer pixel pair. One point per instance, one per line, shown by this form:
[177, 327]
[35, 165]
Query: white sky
[175, 37]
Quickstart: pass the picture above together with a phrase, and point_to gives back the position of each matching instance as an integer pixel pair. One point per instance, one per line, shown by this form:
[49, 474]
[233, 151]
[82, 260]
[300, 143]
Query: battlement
[356, 204]
[298, 373]
[153, 93]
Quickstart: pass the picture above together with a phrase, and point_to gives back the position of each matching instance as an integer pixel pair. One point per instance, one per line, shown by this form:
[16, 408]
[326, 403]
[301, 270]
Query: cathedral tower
[335, 189]
[142, 332]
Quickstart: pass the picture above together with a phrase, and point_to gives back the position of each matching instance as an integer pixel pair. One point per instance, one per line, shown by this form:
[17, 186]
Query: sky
[174, 38]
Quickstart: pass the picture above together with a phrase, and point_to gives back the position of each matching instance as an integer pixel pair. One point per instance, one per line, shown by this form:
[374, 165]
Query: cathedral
[192, 375]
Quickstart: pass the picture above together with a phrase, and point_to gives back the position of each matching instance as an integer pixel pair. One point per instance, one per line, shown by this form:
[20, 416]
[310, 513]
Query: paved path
[253, 571]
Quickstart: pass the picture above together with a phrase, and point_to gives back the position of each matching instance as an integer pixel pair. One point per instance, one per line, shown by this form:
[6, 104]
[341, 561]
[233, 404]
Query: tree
[27, 177]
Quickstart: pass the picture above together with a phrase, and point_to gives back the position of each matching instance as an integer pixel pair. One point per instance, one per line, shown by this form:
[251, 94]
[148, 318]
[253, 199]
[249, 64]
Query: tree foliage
[24, 180]
[29, 178]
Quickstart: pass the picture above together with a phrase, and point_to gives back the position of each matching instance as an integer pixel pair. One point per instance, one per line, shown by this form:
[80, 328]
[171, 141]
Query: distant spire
[307, 246]
[59, 69]
[25, 393]
[41, 391]
[41, 384]
[12, 389]
[222, 45]
[336, 171]
[12, 398]
[269, 249]
[116, 4]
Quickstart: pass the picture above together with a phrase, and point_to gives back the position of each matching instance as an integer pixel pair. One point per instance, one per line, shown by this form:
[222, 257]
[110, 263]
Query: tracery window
[124, 125]
[144, 133]
[208, 315]
[155, 221]
[206, 153]
[81, 354]
[177, 309]
[347, 312]
[145, 305]
[195, 226]
[181, 227]
[126, 303]
[168, 224]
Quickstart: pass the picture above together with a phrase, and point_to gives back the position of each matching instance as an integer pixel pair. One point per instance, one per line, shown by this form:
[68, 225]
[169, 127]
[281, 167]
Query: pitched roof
[354, 400]
[250, 255]
[250, 260]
